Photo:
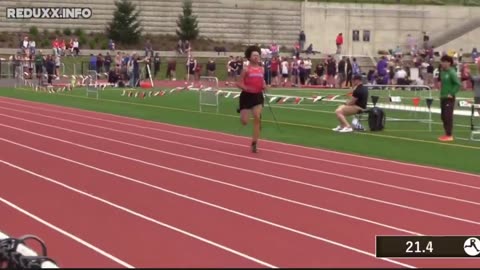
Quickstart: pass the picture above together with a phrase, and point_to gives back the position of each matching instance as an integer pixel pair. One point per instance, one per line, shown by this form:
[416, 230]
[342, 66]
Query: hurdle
[92, 86]
[473, 111]
[391, 101]
[208, 92]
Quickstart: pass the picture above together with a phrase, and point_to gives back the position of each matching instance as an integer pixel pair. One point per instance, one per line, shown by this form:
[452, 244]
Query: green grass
[304, 124]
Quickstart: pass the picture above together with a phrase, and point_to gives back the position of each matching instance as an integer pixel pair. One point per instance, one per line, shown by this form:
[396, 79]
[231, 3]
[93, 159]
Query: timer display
[428, 246]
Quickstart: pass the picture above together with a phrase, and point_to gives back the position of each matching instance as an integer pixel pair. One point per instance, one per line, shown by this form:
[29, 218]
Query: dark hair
[250, 50]
[447, 58]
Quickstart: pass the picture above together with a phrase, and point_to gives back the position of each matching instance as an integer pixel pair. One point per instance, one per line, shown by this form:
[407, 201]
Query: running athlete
[252, 84]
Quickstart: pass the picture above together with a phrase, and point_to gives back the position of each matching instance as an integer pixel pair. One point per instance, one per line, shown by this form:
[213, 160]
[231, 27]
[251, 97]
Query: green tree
[125, 26]
[187, 23]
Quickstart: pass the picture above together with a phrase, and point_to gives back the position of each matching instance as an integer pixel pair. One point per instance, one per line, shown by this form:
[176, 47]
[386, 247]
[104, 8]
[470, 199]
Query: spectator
[32, 47]
[99, 63]
[111, 45]
[295, 72]
[148, 48]
[93, 62]
[426, 40]
[331, 71]
[192, 67]
[341, 72]
[355, 67]
[401, 76]
[39, 64]
[57, 66]
[339, 42]
[382, 71]
[25, 44]
[231, 70]
[211, 67]
[156, 64]
[107, 62]
[274, 49]
[50, 67]
[275, 68]
[239, 67]
[320, 71]
[349, 82]
[171, 69]
[76, 47]
[474, 54]
[302, 39]
[308, 67]
[284, 66]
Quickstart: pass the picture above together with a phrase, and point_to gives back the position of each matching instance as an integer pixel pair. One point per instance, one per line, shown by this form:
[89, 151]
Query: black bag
[376, 119]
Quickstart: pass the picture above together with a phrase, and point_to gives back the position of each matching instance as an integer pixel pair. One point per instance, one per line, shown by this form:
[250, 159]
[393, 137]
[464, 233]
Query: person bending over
[357, 103]
[252, 84]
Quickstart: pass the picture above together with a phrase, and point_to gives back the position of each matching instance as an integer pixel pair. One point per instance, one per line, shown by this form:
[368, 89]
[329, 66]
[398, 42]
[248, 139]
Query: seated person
[401, 76]
[310, 50]
[357, 104]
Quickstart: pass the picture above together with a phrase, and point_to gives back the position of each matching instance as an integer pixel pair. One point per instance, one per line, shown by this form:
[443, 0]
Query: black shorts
[250, 100]
[477, 100]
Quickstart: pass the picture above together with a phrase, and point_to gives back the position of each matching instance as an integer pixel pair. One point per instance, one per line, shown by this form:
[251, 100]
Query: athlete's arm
[264, 83]
[240, 82]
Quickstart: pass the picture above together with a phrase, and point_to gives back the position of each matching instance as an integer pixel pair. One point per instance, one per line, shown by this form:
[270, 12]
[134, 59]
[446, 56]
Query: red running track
[145, 194]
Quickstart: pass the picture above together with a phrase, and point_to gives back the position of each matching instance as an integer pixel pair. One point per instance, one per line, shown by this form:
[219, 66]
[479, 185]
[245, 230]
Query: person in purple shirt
[382, 66]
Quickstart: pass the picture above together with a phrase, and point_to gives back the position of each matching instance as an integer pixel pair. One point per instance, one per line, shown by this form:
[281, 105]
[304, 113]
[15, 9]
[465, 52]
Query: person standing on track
[450, 85]
[252, 84]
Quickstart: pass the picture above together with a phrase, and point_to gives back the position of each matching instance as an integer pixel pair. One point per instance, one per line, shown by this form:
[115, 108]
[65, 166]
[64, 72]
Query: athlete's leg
[257, 118]
[244, 115]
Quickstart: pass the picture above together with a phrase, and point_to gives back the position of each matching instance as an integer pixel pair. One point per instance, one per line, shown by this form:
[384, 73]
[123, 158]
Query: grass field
[306, 123]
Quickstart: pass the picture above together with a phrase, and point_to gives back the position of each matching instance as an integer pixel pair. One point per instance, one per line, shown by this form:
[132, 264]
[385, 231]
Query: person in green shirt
[450, 85]
[39, 63]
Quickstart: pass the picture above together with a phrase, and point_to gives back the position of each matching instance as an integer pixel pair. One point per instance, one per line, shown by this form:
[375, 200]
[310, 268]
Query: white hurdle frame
[208, 79]
[92, 86]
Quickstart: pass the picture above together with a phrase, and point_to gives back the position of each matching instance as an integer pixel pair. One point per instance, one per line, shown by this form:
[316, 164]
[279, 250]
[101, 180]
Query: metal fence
[9, 69]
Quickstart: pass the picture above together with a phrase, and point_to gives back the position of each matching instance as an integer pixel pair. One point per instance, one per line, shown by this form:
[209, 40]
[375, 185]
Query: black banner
[428, 246]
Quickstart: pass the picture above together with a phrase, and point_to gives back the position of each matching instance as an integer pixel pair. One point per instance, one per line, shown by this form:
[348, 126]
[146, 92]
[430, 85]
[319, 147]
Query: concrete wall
[389, 25]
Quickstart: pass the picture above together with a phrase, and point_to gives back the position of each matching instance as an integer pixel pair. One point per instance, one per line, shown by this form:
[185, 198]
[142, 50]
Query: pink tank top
[254, 79]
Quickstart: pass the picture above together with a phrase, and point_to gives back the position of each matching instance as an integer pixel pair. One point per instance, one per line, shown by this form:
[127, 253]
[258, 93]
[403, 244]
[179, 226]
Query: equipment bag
[376, 119]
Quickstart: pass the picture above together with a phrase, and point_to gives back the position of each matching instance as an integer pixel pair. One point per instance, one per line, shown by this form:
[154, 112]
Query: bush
[45, 43]
[92, 44]
[82, 40]
[58, 32]
[33, 31]
[67, 31]
[79, 32]
[104, 44]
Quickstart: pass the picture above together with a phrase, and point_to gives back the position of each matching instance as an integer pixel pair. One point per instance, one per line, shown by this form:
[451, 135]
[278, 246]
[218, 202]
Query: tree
[187, 23]
[125, 27]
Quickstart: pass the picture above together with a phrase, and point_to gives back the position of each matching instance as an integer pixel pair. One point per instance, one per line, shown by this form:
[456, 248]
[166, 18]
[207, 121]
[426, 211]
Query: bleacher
[235, 18]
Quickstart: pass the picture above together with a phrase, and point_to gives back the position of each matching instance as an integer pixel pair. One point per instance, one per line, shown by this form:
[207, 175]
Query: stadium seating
[159, 17]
